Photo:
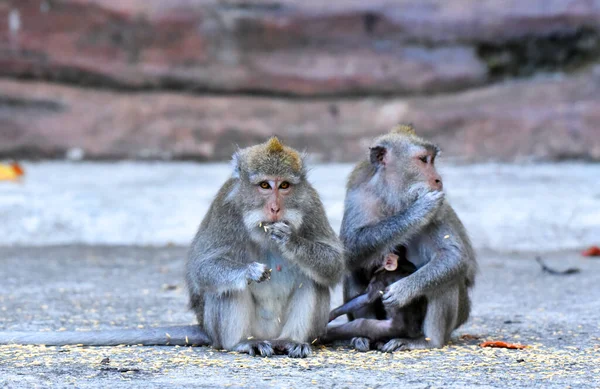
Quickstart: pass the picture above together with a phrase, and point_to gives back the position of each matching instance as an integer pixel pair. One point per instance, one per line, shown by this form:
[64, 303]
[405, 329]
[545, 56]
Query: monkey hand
[396, 296]
[428, 203]
[258, 272]
[280, 232]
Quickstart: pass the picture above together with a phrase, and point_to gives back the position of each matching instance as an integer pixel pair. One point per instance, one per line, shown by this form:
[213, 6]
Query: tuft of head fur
[404, 128]
[269, 158]
[274, 145]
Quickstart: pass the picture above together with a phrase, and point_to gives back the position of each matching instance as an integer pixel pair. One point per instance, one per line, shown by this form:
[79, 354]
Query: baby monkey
[393, 322]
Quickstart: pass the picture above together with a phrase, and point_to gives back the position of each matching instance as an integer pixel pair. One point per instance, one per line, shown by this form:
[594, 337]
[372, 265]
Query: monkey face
[274, 192]
[268, 199]
[424, 160]
[405, 163]
[270, 185]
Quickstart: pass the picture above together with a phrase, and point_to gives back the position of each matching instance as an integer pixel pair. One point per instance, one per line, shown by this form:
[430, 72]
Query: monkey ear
[236, 162]
[377, 155]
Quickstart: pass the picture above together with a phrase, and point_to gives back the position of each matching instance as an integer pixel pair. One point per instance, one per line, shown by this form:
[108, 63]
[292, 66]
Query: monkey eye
[265, 185]
[284, 185]
[424, 158]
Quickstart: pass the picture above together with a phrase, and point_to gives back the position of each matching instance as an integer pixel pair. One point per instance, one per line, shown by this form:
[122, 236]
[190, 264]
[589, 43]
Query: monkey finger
[389, 299]
[282, 228]
[361, 344]
[393, 345]
[278, 237]
[265, 277]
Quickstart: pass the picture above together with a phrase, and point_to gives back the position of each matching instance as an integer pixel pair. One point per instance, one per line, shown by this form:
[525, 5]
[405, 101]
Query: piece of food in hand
[593, 251]
[501, 344]
[264, 225]
[11, 171]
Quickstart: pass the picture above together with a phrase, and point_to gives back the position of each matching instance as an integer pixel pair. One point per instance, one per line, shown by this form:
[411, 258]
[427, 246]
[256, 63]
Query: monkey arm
[314, 247]
[214, 271]
[321, 261]
[361, 242]
[447, 266]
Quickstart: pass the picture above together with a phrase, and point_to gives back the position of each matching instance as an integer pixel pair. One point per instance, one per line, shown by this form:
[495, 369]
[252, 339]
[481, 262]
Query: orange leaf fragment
[593, 251]
[11, 172]
[501, 344]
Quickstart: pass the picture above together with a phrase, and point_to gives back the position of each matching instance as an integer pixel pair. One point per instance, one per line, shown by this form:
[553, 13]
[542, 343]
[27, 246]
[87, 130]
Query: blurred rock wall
[487, 80]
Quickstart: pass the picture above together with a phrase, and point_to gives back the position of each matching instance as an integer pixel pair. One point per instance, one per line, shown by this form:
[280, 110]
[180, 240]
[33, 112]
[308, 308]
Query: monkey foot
[361, 344]
[255, 348]
[402, 344]
[292, 349]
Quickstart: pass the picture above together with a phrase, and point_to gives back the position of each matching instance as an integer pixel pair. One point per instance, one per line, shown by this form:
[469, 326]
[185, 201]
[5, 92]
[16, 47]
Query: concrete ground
[102, 245]
[82, 287]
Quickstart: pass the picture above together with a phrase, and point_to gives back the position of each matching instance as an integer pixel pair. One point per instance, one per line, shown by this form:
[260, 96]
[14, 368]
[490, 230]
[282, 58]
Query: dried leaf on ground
[593, 251]
[11, 172]
[501, 344]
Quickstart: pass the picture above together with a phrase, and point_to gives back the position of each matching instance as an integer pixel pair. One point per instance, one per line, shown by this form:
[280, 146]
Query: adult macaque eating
[258, 271]
[262, 262]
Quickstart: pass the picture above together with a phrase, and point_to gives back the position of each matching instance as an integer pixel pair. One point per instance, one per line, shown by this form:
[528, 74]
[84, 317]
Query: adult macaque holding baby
[394, 198]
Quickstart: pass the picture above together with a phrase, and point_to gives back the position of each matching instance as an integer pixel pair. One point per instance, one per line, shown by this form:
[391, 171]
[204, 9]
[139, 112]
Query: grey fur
[389, 202]
[285, 312]
[163, 336]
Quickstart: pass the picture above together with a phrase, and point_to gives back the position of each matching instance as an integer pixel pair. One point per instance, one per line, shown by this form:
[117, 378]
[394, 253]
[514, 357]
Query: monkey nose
[275, 209]
[439, 185]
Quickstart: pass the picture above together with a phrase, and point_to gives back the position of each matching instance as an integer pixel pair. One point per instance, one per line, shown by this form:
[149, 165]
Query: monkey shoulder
[362, 173]
[223, 209]
[315, 224]
[361, 208]
[223, 222]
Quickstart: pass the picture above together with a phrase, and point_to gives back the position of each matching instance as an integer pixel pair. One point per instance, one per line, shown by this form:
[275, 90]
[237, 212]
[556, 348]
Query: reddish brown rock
[544, 119]
[274, 47]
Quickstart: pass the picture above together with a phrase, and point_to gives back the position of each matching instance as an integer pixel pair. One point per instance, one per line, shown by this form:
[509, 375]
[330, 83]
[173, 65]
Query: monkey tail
[191, 335]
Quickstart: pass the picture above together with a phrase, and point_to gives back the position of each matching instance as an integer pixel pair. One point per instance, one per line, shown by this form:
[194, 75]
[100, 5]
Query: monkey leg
[464, 305]
[441, 318]
[351, 306]
[371, 329]
[306, 319]
[355, 285]
[228, 322]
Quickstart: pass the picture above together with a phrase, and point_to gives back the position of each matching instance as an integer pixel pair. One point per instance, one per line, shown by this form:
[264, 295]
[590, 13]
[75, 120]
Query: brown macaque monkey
[395, 197]
[394, 322]
[264, 257]
[258, 271]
